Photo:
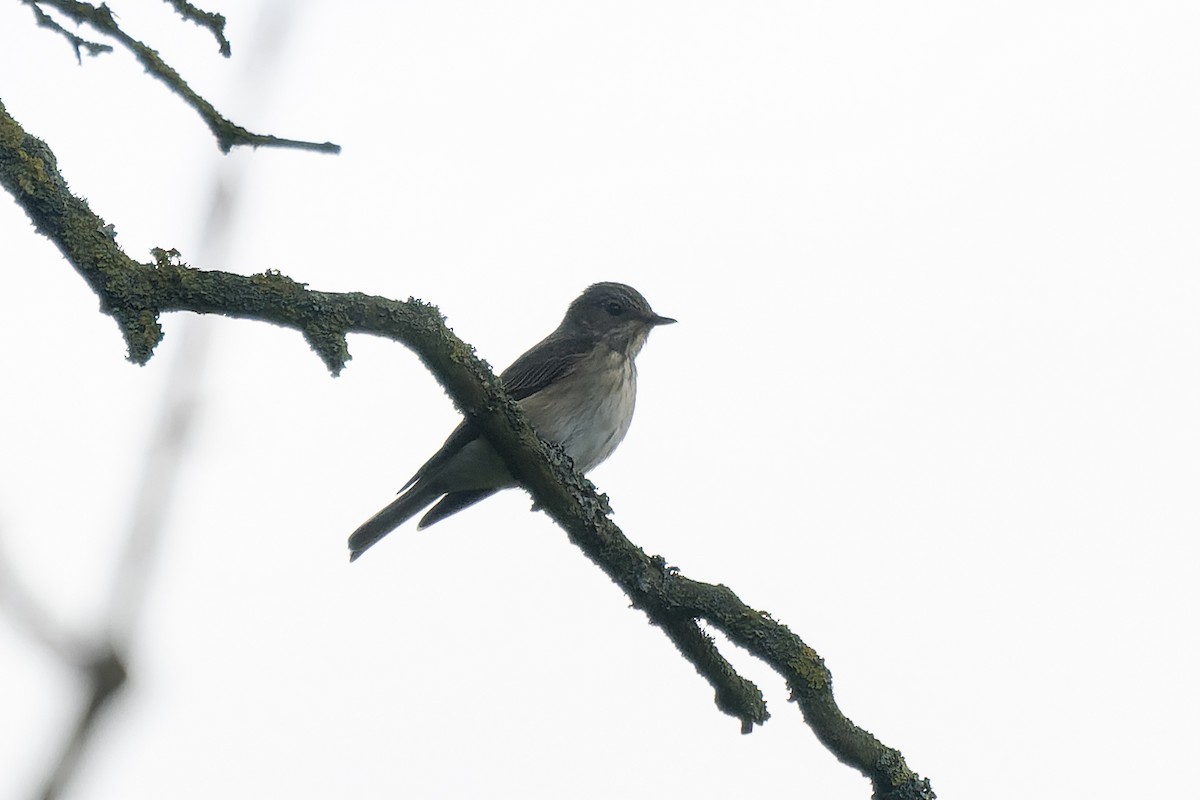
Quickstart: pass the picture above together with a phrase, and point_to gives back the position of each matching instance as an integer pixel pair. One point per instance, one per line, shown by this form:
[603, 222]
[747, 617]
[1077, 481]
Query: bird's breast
[588, 411]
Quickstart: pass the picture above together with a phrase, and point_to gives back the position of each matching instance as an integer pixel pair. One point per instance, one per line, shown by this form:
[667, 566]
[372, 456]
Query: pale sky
[932, 400]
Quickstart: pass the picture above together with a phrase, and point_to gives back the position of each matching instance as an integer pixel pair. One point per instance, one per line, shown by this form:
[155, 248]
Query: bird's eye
[614, 308]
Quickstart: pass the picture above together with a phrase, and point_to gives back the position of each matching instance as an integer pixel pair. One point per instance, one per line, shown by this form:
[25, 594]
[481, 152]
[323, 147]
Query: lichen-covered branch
[100, 18]
[136, 294]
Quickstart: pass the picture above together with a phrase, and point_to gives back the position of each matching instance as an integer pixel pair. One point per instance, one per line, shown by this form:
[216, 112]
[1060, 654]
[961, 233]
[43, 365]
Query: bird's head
[614, 313]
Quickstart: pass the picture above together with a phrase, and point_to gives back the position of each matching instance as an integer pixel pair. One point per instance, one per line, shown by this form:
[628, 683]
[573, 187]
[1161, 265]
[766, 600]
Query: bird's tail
[392, 516]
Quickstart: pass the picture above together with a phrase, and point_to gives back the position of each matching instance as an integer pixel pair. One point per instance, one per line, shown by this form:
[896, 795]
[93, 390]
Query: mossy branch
[135, 294]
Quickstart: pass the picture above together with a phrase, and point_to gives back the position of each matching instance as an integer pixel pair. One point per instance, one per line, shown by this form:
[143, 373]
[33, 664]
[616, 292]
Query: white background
[932, 400]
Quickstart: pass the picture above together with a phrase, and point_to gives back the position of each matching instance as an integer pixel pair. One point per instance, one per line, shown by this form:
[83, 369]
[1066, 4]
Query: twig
[229, 134]
[94, 48]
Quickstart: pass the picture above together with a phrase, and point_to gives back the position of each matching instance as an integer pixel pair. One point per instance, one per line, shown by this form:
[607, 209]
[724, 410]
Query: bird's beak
[661, 320]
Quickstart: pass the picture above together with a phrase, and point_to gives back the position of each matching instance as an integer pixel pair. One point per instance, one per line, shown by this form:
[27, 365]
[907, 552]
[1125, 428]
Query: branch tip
[331, 347]
[215, 23]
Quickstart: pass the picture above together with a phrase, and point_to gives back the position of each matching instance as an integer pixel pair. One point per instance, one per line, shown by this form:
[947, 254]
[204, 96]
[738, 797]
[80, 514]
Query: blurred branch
[105, 673]
[100, 18]
[135, 294]
[30, 615]
[101, 664]
[155, 492]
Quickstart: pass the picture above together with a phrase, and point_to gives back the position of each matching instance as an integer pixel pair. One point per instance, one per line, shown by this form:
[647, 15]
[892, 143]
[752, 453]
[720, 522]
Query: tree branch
[135, 294]
[229, 134]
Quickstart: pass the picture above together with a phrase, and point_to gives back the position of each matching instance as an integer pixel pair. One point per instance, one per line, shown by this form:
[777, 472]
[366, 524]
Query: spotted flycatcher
[577, 387]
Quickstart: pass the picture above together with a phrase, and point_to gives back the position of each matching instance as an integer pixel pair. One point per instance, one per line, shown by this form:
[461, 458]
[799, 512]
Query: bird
[577, 386]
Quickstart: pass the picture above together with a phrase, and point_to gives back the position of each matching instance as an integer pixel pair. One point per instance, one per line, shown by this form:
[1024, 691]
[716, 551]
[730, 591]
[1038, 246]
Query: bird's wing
[547, 362]
[543, 364]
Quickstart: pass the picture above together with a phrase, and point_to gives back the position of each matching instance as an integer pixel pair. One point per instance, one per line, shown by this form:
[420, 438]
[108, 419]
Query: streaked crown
[614, 313]
[608, 305]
